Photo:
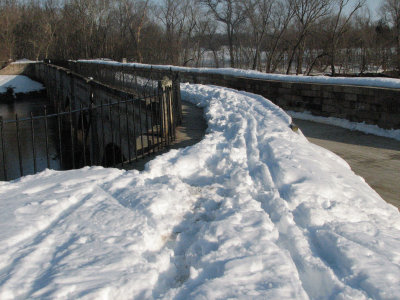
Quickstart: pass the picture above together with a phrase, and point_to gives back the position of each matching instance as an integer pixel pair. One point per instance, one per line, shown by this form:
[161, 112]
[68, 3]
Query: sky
[374, 7]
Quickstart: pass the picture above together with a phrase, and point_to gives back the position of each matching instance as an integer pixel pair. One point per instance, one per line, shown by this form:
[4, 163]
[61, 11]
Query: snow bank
[25, 61]
[20, 84]
[253, 211]
[366, 128]
[373, 82]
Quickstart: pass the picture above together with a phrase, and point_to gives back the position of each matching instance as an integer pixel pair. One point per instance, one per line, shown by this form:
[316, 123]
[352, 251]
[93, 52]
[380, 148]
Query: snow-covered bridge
[251, 211]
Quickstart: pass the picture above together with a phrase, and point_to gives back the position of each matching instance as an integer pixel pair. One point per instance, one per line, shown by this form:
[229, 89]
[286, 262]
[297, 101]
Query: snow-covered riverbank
[19, 83]
[252, 211]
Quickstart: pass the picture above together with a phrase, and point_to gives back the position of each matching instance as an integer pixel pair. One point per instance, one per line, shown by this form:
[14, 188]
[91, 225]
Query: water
[23, 108]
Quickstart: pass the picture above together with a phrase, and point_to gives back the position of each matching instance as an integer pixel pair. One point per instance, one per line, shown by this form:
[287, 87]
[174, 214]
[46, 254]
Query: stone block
[286, 85]
[310, 93]
[327, 94]
[350, 97]
[284, 91]
[338, 88]
[367, 91]
[389, 121]
[316, 87]
[361, 106]
[329, 101]
[329, 108]
[313, 107]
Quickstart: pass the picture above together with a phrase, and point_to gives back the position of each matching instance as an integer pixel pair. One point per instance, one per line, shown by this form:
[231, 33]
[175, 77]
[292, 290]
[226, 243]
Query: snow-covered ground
[375, 82]
[253, 211]
[20, 84]
[366, 128]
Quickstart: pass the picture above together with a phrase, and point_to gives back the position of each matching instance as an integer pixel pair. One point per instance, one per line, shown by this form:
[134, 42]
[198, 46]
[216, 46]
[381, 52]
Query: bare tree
[137, 16]
[307, 12]
[391, 11]
[230, 13]
[258, 13]
[9, 18]
[282, 15]
[339, 26]
[173, 15]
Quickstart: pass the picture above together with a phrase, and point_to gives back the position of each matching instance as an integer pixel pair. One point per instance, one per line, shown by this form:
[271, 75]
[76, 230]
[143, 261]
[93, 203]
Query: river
[23, 107]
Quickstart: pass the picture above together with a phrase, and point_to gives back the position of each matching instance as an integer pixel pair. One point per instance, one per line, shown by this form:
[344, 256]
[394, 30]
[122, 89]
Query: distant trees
[287, 36]
[9, 19]
[231, 14]
[391, 13]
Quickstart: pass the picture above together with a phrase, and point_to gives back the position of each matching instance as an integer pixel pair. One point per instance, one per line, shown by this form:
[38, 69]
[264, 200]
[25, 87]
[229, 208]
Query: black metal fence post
[112, 133]
[59, 130]
[94, 138]
[140, 126]
[147, 126]
[120, 133]
[72, 138]
[83, 133]
[21, 170]
[33, 145]
[127, 130]
[134, 129]
[46, 131]
[102, 132]
[3, 149]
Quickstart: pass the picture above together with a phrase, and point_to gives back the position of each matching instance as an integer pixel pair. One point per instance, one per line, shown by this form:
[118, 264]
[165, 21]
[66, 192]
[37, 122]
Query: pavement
[190, 132]
[376, 159]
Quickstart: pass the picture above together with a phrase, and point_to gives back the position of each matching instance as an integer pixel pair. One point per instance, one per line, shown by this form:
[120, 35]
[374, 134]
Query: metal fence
[129, 78]
[111, 133]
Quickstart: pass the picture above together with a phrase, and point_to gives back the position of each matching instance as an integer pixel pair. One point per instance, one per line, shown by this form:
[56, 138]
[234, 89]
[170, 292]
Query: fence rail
[67, 135]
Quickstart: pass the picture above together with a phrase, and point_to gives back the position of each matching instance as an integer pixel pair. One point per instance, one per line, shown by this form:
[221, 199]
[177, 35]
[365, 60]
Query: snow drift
[253, 211]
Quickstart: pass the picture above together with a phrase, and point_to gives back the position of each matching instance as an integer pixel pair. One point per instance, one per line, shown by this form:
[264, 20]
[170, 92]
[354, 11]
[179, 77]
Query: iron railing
[112, 133]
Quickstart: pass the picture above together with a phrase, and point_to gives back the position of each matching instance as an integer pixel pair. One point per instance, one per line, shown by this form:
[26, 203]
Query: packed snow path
[253, 211]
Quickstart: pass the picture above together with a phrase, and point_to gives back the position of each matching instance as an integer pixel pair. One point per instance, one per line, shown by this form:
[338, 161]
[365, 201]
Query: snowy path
[252, 211]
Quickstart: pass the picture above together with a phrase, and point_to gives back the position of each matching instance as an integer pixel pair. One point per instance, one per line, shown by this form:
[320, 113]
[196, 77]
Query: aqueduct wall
[103, 123]
[372, 105]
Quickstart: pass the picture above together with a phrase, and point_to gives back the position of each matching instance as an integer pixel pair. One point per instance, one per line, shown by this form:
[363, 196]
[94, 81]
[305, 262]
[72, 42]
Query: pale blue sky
[374, 7]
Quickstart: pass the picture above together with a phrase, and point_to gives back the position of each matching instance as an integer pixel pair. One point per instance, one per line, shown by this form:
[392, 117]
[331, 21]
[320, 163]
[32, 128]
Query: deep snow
[253, 211]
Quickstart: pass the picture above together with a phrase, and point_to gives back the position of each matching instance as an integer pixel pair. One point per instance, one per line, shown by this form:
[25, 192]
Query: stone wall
[372, 105]
[2, 64]
[16, 69]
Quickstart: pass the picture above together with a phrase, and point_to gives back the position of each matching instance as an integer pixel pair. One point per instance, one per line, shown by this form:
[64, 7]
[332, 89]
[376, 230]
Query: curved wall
[372, 105]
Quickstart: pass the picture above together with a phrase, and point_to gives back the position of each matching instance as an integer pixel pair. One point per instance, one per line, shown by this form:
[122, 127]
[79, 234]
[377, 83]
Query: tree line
[286, 36]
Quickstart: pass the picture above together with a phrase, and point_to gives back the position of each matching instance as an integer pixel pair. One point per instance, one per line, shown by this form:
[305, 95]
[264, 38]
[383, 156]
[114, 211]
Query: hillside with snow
[253, 211]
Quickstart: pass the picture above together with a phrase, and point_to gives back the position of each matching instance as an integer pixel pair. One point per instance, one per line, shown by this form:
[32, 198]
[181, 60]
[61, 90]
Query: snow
[366, 128]
[372, 82]
[24, 61]
[253, 211]
[20, 83]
